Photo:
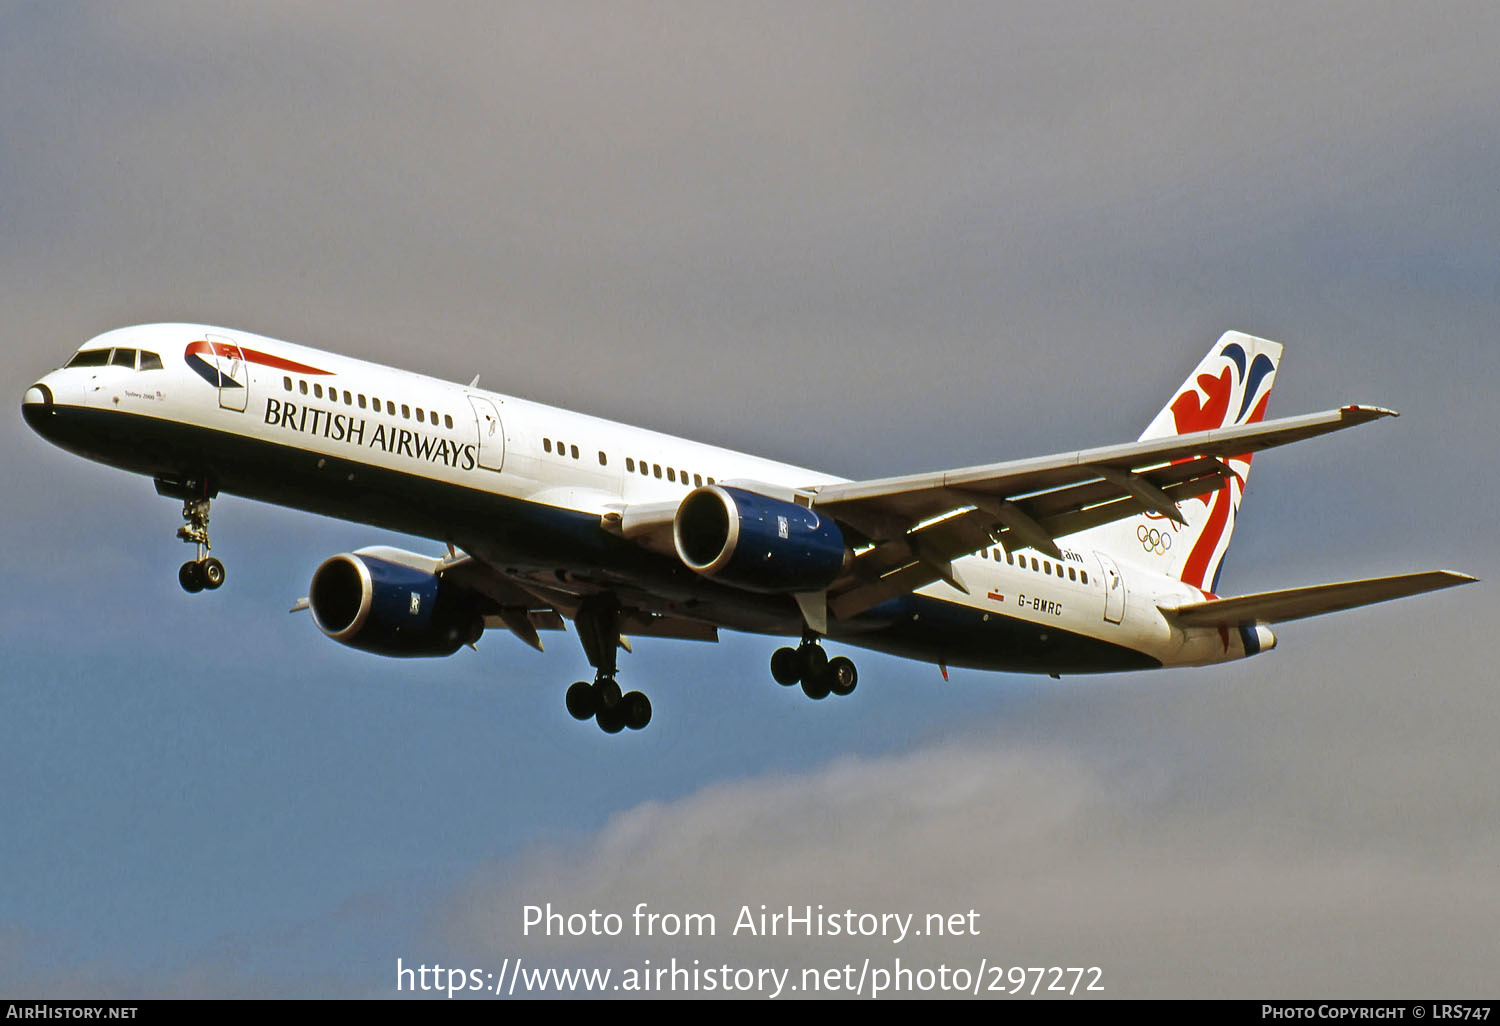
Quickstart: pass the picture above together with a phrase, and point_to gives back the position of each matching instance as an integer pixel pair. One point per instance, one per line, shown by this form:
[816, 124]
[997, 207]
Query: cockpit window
[124, 358]
[90, 358]
[150, 361]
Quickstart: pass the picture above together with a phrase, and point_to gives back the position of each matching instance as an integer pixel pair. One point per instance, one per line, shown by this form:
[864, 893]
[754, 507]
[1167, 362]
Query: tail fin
[1229, 388]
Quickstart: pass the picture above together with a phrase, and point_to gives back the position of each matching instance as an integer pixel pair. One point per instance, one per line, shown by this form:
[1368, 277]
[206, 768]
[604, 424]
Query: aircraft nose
[36, 405]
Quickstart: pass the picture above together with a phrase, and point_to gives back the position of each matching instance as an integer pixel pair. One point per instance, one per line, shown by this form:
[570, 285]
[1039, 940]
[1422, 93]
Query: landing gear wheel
[202, 571]
[606, 694]
[813, 662]
[637, 709]
[842, 676]
[190, 576]
[580, 701]
[816, 687]
[786, 667]
[611, 721]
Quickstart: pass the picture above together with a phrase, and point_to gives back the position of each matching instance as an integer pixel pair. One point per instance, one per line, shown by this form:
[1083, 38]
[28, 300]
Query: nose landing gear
[203, 571]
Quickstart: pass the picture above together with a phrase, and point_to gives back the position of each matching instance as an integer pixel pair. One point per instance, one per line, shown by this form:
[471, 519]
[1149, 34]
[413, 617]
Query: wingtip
[1365, 412]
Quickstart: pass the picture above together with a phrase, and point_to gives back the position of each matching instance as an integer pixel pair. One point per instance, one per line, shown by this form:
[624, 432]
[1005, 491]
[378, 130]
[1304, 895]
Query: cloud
[1174, 884]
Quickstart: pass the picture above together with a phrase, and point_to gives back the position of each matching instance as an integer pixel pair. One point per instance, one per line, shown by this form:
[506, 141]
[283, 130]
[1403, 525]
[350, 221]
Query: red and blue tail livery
[1106, 559]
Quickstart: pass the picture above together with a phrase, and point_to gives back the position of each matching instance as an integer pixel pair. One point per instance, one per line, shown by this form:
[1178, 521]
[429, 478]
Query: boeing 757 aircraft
[1083, 562]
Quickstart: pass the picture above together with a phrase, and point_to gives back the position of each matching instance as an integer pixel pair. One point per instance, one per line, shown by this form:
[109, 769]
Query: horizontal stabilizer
[1299, 603]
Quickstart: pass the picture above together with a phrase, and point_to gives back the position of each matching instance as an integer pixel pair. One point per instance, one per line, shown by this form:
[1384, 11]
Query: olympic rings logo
[1153, 540]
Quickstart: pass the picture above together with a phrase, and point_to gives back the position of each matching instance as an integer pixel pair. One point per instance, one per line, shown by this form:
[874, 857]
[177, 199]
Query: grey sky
[867, 238]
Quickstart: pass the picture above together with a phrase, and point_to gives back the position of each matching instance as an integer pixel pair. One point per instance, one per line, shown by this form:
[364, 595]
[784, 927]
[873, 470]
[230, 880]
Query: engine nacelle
[755, 542]
[390, 608]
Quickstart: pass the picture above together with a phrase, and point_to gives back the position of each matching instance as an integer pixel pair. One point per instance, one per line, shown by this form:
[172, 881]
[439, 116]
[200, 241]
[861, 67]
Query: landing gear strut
[810, 665]
[598, 623]
[203, 571]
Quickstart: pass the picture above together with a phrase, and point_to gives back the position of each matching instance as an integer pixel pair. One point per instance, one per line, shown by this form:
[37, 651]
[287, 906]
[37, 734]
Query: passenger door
[1114, 589]
[234, 375]
[491, 433]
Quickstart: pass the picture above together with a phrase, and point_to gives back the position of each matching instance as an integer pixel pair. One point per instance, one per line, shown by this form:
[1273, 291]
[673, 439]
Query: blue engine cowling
[390, 608]
[756, 542]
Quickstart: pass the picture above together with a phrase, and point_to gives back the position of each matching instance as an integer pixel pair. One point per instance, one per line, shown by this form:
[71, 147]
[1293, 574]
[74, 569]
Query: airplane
[1102, 560]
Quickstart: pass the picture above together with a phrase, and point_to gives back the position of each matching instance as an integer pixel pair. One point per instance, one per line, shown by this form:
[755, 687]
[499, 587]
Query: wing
[1298, 603]
[526, 606]
[918, 524]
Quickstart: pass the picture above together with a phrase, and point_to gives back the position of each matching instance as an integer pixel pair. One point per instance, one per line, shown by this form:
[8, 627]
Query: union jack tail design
[1229, 388]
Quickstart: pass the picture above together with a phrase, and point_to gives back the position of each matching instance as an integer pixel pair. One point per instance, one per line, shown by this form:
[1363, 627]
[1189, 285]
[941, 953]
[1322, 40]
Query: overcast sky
[866, 238]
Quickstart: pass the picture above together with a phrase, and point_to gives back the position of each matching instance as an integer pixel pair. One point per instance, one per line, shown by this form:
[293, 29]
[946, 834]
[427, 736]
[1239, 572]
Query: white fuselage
[383, 446]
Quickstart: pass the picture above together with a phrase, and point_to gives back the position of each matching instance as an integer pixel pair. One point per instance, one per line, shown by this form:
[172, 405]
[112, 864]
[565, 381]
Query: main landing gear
[598, 623]
[204, 571]
[810, 665]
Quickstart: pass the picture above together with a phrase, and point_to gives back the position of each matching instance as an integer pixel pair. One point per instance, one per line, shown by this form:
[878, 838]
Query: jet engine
[391, 608]
[755, 542]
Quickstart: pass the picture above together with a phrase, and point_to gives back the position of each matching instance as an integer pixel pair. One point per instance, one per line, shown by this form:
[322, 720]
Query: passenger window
[710, 480]
[124, 358]
[575, 451]
[287, 383]
[645, 470]
[697, 480]
[150, 361]
[302, 387]
[603, 462]
[1072, 575]
[361, 400]
[546, 445]
[318, 391]
[1085, 575]
[421, 417]
[1010, 559]
[656, 469]
[448, 421]
[1034, 564]
[671, 474]
[1047, 568]
[348, 399]
[629, 464]
[405, 412]
[90, 358]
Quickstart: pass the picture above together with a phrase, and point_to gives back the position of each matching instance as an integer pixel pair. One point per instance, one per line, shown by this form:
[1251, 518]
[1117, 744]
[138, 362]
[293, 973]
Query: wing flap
[1299, 603]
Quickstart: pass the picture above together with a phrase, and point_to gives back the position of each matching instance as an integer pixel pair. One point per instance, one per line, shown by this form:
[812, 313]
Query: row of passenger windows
[358, 399]
[562, 450]
[126, 358]
[673, 474]
[1044, 566]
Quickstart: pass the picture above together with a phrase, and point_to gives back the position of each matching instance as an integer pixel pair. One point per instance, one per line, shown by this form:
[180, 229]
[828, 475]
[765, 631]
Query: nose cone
[36, 406]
